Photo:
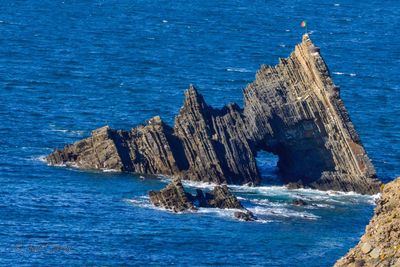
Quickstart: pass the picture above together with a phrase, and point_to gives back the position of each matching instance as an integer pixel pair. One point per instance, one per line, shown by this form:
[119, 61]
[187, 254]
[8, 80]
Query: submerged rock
[299, 202]
[380, 245]
[174, 198]
[247, 216]
[292, 109]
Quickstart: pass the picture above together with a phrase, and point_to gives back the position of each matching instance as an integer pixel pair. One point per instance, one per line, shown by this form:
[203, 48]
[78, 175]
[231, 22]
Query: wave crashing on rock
[292, 110]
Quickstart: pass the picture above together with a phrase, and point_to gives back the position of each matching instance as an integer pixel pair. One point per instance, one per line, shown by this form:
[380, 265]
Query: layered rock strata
[380, 245]
[292, 109]
[174, 198]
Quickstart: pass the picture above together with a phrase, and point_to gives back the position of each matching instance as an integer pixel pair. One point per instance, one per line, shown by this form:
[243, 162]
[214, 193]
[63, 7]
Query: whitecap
[193, 184]
[346, 74]
[229, 213]
[306, 194]
[232, 69]
[165, 21]
[142, 202]
[72, 132]
[41, 158]
[109, 170]
[283, 213]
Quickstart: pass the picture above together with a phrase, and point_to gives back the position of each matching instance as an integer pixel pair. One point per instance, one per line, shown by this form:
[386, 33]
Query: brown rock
[294, 110]
[375, 253]
[173, 198]
[222, 198]
[366, 248]
[380, 245]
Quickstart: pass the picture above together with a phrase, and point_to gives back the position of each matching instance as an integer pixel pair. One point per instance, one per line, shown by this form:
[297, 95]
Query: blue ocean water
[68, 67]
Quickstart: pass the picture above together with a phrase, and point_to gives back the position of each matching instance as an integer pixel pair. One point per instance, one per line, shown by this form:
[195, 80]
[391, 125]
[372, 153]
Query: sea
[68, 67]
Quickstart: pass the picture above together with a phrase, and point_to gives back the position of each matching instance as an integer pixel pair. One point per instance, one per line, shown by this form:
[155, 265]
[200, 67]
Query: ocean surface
[68, 67]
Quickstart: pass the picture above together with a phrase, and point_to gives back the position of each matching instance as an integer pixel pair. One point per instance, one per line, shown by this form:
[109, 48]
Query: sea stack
[380, 245]
[174, 198]
[293, 110]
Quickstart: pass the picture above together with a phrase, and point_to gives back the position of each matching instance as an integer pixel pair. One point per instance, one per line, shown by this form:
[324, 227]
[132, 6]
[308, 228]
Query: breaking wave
[346, 74]
[243, 70]
[69, 132]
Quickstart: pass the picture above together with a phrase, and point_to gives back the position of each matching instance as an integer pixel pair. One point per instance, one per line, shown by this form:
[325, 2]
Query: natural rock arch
[292, 109]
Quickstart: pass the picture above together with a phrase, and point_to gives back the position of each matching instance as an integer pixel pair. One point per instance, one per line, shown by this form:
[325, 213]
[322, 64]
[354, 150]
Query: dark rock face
[174, 198]
[292, 109]
[206, 144]
[244, 216]
[222, 198]
[380, 245]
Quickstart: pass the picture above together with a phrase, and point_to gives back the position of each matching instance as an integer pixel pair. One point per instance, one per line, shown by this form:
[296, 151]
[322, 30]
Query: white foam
[307, 194]
[39, 158]
[283, 213]
[72, 132]
[142, 202]
[109, 170]
[229, 213]
[347, 74]
[313, 195]
[189, 183]
[232, 69]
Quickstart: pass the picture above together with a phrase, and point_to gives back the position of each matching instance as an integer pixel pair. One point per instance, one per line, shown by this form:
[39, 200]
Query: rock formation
[380, 245]
[292, 109]
[174, 198]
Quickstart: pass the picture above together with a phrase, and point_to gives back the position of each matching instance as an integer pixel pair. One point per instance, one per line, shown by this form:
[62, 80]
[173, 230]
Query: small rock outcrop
[244, 216]
[299, 202]
[174, 198]
[222, 198]
[380, 245]
[292, 109]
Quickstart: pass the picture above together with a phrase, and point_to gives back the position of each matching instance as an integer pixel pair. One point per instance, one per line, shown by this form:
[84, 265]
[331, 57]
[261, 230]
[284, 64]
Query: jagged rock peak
[380, 245]
[292, 109]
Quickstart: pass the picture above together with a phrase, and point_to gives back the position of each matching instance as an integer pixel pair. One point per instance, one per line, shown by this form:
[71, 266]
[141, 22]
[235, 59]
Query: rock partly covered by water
[380, 245]
[174, 198]
[292, 109]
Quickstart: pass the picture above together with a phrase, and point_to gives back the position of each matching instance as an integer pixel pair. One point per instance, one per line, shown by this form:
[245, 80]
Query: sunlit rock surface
[380, 245]
[292, 109]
